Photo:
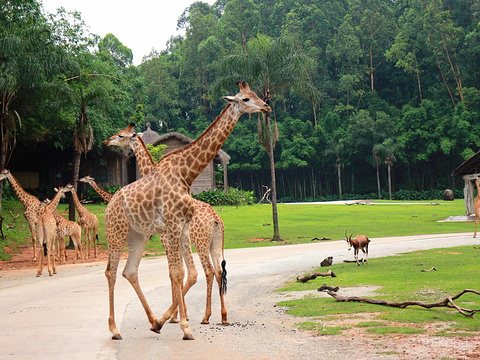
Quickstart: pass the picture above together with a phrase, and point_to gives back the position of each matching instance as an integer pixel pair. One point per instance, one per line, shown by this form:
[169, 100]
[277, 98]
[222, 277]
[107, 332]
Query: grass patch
[400, 279]
[244, 226]
[320, 329]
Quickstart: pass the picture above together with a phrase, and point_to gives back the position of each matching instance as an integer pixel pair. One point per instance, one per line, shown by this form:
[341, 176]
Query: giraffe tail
[45, 252]
[224, 278]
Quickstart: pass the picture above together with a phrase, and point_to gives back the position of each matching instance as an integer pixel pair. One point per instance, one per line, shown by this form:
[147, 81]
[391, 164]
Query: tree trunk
[389, 167]
[339, 176]
[276, 231]
[75, 172]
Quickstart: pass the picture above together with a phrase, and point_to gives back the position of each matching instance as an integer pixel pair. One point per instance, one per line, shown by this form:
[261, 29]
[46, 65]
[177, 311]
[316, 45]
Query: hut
[469, 170]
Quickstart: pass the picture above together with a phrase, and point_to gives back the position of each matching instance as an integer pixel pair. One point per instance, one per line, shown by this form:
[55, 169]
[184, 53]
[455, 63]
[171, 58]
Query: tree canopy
[386, 97]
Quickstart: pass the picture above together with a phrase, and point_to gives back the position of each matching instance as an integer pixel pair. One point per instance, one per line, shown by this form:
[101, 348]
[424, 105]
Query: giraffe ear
[229, 99]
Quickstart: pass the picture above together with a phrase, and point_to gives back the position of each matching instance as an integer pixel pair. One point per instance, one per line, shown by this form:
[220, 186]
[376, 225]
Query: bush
[234, 197]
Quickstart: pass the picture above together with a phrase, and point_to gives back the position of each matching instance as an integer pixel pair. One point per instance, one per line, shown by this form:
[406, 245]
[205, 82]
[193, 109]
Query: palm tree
[269, 65]
[337, 149]
[387, 150]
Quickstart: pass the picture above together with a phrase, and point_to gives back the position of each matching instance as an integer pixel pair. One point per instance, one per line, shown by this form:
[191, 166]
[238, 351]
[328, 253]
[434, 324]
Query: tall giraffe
[160, 203]
[206, 230]
[105, 195]
[477, 207]
[88, 222]
[46, 231]
[32, 205]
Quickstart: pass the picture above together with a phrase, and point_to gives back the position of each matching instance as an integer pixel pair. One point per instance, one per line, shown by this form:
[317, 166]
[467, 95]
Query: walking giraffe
[32, 205]
[206, 228]
[160, 203]
[46, 231]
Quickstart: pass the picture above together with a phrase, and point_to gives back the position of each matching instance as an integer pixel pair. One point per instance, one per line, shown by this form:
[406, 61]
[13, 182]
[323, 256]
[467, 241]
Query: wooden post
[469, 193]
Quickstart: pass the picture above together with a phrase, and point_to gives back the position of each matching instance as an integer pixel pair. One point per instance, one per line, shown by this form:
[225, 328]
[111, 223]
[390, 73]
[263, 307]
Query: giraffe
[477, 207]
[68, 228]
[88, 222]
[160, 203]
[32, 205]
[206, 230]
[46, 230]
[105, 195]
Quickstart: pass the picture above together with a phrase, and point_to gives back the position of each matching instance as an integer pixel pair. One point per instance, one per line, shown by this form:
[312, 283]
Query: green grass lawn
[244, 226]
[400, 279]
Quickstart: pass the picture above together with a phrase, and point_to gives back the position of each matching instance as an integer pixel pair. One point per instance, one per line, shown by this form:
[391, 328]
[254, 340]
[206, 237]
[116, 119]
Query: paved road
[65, 316]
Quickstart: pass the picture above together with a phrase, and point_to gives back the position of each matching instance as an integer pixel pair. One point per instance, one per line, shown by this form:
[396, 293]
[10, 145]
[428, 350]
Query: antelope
[359, 243]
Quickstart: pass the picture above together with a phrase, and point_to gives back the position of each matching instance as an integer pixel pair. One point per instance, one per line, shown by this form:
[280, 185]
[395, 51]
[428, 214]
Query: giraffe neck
[105, 195]
[144, 159]
[193, 158]
[25, 198]
[57, 215]
[56, 199]
[78, 205]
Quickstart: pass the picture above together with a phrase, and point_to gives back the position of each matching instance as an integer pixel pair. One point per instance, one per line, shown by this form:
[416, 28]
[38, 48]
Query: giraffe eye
[246, 99]
[120, 136]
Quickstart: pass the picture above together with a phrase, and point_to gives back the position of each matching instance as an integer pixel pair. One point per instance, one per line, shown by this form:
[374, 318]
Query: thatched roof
[149, 136]
[469, 166]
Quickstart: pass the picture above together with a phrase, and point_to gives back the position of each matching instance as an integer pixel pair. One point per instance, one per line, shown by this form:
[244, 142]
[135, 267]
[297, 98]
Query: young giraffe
[32, 205]
[477, 207]
[88, 222]
[160, 203]
[68, 228]
[105, 195]
[206, 228]
[46, 230]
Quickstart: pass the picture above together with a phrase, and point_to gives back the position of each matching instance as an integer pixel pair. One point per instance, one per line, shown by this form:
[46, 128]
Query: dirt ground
[352, 343]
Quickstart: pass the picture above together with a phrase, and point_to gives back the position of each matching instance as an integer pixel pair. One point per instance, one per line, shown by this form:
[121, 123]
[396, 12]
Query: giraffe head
[246, 101]
[123, 138]
[63, 190]
[86, 179]
[4, 174]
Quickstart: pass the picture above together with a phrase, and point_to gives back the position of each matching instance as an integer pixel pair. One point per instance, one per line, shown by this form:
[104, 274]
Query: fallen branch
[315, 275]
[353, 261]
[325, 287]
[448, 302]
[432, 269]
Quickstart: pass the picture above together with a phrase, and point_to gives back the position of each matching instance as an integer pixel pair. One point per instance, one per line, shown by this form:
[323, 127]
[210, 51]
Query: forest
[365, 93]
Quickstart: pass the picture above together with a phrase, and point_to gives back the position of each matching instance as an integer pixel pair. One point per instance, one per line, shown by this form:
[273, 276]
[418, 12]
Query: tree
[269, 65]
[386, 151]
[27, 62]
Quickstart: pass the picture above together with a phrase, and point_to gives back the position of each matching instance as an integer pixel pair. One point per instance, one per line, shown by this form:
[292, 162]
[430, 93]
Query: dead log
[314, 275]
[448, 302]
[325, 287]
[432, 269]
[353, 261]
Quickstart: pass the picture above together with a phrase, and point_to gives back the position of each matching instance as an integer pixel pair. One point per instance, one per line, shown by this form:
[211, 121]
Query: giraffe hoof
[173, 321]
[188, 337]
[157, 327]
[117, 337]
[205, 322]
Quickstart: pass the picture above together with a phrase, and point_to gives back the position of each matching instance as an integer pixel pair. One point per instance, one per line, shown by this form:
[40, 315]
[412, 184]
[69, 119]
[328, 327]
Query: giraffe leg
[95, 236]
[209, 275]
[33, 230]
[175, 267]
[39, 231]
[52, 242]
[136, 246]
[476, 223]
[111, 274]
[216, 249]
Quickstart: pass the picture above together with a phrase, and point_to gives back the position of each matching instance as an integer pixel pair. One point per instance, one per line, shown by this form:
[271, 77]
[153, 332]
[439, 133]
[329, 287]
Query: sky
[139, 25]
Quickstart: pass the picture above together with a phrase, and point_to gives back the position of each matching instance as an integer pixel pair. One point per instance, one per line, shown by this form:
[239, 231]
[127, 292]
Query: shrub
[234, 197]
